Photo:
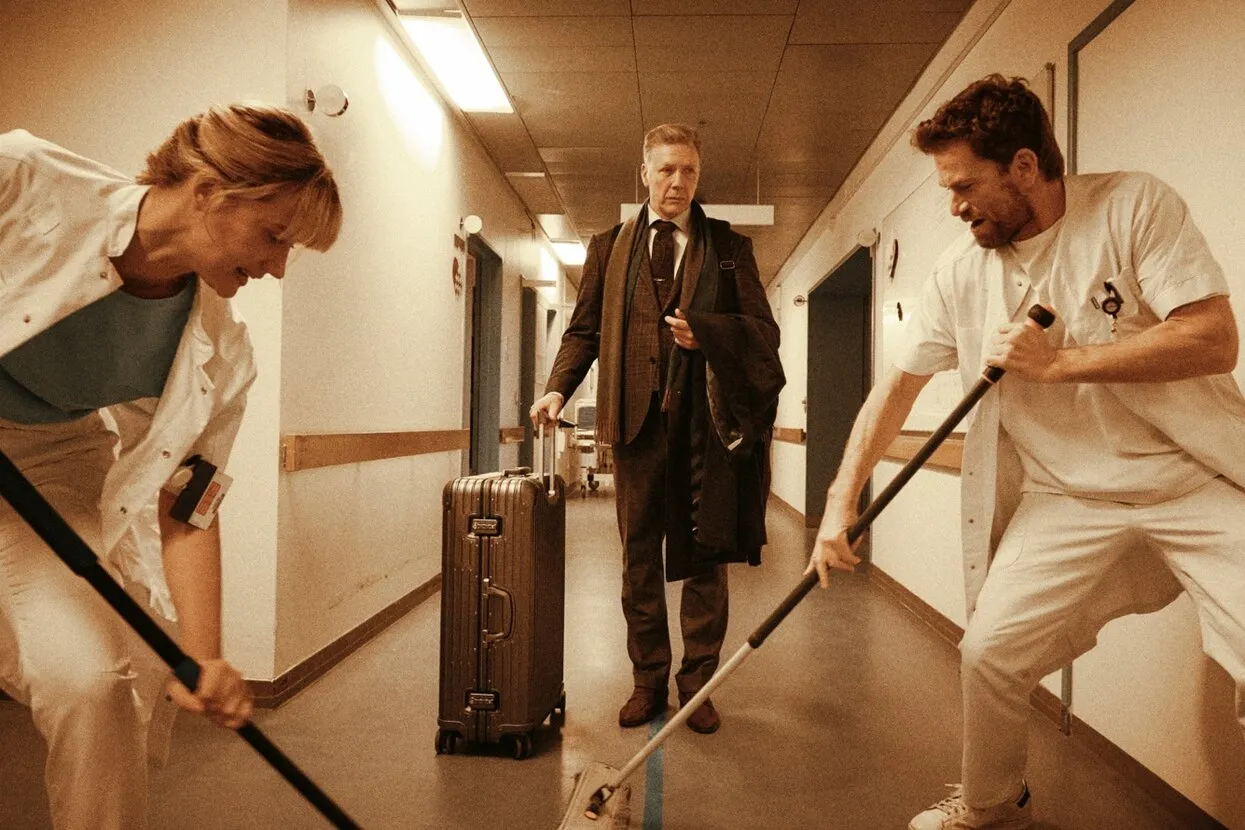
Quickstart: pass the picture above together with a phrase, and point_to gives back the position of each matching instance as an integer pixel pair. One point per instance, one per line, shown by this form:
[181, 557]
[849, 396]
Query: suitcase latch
[484, 525]
[482, 701]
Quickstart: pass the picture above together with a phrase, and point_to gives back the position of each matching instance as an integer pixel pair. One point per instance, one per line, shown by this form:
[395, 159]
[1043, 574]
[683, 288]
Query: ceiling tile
[811, 141]
[536, 192]
[930, 5]
[540, 32]
[509, 59]
[422, 5]
[567, 109]
[773, 192]
[505, 136]
[874, 23]
[787, 92]
[584, 189]
[853, 84]
[588, 160]
[891, 65]
[716, 7]
[727, 108]
[775, 179]
[714, 43]
[545, 8]
[594, 200]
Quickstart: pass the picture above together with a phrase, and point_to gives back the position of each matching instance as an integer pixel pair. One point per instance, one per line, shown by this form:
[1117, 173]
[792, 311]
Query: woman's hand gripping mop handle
[70, 547]
[1040, 315]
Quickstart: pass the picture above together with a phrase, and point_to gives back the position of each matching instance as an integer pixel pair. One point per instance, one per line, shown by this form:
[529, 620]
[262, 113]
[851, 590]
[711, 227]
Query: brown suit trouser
[640, 482]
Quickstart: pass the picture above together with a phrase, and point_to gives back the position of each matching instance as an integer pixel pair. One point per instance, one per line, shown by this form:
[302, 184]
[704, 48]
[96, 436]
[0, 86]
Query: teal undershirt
[117, 349]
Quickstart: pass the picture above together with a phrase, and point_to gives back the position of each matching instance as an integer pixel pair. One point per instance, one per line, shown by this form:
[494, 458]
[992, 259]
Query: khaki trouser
[63, 650]
[1051, 558]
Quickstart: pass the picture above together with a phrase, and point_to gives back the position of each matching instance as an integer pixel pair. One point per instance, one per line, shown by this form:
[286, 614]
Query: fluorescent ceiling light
[556, 226]
[449, 46]
[570, 253]
[735, 214]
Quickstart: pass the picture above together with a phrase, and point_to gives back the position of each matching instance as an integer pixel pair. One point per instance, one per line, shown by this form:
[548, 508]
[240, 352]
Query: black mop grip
[69, 546]
[1038, 314]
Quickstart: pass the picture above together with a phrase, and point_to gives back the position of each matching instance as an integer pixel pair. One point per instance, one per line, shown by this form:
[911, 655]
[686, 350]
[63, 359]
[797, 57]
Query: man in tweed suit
[650, 285]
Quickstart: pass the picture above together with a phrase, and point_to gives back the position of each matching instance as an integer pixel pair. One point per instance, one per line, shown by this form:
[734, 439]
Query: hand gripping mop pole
[70, 547]
[598, 801]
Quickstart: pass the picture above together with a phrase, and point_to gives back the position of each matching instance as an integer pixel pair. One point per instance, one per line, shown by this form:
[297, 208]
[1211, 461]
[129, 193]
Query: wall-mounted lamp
[330, 99]
[470, 223]
[867, 238]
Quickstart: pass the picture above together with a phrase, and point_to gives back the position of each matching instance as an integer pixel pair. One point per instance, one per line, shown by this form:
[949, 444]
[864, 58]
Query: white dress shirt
[682, 224]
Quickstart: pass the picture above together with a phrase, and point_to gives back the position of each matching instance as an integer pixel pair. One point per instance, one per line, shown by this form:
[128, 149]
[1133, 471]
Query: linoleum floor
[848, 717]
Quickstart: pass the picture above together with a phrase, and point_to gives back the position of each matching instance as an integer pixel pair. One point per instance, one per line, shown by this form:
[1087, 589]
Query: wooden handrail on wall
[791, 435]
[304, 452]
[949, 455]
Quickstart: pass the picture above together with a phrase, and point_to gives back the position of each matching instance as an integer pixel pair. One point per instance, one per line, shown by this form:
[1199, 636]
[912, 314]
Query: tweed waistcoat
[647, 344]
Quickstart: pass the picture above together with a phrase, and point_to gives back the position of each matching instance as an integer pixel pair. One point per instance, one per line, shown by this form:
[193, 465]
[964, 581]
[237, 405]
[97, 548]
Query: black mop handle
[1038, 314]
[69, 546]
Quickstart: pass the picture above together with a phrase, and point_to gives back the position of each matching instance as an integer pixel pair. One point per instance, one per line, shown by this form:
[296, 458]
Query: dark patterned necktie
[661, 260]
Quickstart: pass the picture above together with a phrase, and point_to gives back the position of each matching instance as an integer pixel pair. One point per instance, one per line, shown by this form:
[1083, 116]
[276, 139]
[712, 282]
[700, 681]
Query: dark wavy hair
[997, 117]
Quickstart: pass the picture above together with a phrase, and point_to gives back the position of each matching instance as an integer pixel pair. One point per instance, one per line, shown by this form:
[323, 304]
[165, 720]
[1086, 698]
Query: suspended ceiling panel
[787, 95]
[536, 192]
[505, 136]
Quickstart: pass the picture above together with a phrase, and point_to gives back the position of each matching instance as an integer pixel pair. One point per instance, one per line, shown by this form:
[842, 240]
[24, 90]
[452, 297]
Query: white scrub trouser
[63, 650]
[1052, 556]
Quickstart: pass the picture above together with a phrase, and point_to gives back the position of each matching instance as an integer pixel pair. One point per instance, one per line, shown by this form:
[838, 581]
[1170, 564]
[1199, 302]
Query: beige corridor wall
[374, 338]
[1144, 104]
[1146, 687]
[110, 79]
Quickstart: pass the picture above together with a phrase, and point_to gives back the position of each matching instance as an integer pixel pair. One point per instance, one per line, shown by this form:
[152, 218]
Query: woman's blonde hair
[255, 152]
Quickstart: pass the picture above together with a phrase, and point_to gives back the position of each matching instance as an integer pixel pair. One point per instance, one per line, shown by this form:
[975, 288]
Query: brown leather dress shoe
[643, 705]
[705, 719]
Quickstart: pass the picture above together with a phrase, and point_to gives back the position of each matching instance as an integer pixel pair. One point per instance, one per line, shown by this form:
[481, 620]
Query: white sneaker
[953, 814]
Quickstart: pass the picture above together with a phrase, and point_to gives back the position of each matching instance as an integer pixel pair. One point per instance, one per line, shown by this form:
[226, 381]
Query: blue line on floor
[653, 779]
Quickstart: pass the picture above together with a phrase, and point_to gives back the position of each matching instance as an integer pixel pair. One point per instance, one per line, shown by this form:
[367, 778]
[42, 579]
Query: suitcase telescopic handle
[541, 470]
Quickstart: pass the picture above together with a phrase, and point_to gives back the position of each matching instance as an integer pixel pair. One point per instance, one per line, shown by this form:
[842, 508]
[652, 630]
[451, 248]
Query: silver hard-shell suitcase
[502, 608]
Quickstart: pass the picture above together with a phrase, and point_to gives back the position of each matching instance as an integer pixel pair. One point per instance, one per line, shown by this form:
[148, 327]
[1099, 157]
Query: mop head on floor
[615, 814]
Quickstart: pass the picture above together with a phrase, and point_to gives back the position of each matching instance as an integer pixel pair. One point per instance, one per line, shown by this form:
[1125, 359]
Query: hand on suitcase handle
[547, 408]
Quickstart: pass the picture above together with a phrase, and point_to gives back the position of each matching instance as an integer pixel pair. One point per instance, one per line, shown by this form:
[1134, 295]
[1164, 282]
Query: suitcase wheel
[558, 716]
[447, 742]
[522, 746]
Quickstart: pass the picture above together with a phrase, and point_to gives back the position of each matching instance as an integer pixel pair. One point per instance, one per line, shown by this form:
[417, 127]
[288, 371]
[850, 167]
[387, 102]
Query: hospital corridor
[622, 414]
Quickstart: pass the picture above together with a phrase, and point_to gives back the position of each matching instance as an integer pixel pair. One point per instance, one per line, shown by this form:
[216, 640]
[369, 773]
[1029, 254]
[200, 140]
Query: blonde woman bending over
[115, 308]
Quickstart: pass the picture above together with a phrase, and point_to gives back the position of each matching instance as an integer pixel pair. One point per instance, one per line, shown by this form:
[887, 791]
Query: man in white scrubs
[1105, 472]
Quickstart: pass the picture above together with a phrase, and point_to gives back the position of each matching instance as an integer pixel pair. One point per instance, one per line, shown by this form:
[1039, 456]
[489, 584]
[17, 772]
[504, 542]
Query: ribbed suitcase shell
[502, 607]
